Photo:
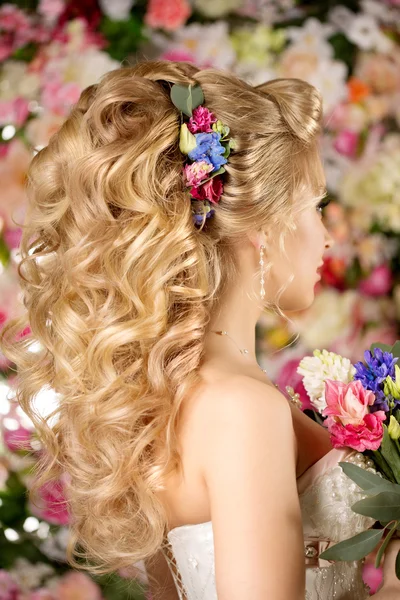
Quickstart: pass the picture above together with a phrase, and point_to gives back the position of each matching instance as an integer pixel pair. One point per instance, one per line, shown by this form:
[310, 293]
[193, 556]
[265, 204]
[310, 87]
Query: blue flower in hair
[208, 148]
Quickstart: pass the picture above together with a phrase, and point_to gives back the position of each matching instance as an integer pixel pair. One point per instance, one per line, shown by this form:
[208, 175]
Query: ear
[257, 238]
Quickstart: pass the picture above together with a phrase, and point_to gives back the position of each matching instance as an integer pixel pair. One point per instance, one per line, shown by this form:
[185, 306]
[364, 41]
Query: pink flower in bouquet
[373, 577]
[201, 120]
[77, 586]
[212, 190]
[349, 421]
[167, 15]
[9, 590]
[288, 376]
[378, 283]
[346, 143]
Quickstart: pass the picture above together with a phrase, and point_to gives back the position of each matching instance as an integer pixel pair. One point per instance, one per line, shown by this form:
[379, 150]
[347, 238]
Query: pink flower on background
[378, 283]
[77, 586]
[288, 376]
[346, 143]
[167, 15]
[59, 97]
[14, 111]
[349, 421]
[42, 594]
[51, 9]
[51, 504]
[195, 173]
[12, 237]
[201, 120]
[373, 577]
[18, 439]
[212, 190]
[178, 55]
[9, 590]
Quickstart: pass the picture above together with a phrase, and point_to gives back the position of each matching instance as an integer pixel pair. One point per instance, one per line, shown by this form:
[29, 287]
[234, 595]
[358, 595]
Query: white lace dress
[326, 496]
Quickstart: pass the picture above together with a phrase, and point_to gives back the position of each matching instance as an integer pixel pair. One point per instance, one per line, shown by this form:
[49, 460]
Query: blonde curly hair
[118, 284]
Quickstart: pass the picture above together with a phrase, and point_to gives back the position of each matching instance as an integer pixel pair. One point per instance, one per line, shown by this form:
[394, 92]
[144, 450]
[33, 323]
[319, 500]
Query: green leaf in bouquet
[382, 507]
[383, 465]
[382, 549]
[354, 548]
[390, 453]
[366, 480]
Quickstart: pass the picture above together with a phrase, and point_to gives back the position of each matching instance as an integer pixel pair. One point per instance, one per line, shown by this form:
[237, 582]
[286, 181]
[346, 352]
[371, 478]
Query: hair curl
[118, 284]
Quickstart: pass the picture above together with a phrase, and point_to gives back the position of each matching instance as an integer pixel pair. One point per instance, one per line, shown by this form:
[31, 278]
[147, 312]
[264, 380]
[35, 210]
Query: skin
[242, 444]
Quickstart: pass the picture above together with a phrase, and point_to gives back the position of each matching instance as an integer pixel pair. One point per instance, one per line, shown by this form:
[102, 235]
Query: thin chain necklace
[294, 397]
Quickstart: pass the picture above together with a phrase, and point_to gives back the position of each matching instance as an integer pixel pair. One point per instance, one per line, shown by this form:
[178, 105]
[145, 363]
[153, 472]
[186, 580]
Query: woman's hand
[390, 589]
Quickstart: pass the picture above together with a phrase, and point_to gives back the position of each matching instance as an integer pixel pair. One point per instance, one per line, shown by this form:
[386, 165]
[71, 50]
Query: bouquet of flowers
[361, 408]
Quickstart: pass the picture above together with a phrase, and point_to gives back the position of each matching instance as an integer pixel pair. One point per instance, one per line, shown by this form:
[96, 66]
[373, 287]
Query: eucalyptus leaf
[383, 347]
[187, 97]
[365, 479]
[382, 549]
[398, 565]
[396, 349]
[382, 507]
[214, 174]
[356, 547]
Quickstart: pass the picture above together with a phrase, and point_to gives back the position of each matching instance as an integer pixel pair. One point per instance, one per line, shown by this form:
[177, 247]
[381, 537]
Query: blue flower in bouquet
[379, 365]
[208, 148]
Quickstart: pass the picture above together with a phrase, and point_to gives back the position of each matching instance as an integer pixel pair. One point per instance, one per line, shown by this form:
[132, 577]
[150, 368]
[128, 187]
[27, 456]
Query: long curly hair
[118, 284]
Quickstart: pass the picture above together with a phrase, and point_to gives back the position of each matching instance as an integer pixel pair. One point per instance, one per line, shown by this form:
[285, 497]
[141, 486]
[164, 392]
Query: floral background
[51, 49]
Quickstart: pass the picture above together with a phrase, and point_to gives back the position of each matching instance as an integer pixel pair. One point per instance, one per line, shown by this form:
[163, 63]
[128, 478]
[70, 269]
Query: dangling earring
[261, 263]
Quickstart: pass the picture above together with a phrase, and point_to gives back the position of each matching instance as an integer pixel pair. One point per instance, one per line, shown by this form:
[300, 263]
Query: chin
[298, 302]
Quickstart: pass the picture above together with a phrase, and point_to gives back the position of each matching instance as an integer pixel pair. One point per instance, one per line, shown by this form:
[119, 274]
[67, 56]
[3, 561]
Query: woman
[175, 443]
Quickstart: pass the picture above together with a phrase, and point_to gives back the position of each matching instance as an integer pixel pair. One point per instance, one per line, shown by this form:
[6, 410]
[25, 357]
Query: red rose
[211, 190]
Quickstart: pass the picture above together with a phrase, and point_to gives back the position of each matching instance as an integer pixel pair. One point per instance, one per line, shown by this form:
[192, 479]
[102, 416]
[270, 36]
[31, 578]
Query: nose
[329, 241]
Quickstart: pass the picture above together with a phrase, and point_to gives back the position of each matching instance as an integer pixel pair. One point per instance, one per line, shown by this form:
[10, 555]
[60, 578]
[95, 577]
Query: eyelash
[323, 204]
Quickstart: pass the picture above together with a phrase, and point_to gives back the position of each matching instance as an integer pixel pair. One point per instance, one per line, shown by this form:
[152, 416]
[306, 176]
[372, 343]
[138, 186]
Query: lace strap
[171, 561]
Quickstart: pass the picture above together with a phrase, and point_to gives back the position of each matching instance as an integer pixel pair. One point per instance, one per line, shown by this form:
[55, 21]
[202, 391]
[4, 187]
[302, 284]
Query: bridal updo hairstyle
[119, 285]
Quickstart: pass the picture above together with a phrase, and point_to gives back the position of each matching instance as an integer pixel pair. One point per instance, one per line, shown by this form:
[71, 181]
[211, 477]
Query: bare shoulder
[241, 399]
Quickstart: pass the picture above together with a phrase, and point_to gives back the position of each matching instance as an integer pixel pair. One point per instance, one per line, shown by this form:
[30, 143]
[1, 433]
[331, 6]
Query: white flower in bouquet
[28, 575]
[318, 368]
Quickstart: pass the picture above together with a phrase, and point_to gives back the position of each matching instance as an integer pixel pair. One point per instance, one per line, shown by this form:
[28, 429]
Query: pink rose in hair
[211, 190]
[201, 120]
[195, 173]
[349, 421]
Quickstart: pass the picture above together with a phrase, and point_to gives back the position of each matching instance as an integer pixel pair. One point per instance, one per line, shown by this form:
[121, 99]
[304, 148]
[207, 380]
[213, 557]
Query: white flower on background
[335, 164]
[55, 544]
[16, 81]
[312, 36]
[208, 45]
[117, 10]
[217, 8]
[330, 79]
[28, 575]
[363, 30]
[80, 69]
[381, 11]
[318, 368]
[340, 16]
[330, 318]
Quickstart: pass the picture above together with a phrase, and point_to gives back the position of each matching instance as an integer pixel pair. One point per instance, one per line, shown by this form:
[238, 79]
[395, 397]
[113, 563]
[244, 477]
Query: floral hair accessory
[205, 141]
